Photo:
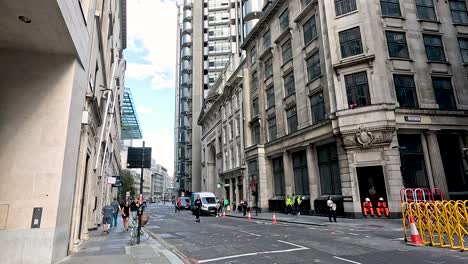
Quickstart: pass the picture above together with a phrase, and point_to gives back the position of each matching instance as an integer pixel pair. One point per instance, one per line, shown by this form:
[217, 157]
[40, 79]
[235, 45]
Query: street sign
[111, 180]
[134, 158]
[117, 183]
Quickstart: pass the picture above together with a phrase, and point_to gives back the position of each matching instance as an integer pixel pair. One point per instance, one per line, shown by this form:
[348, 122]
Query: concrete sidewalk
[115, 248]
[375, 223]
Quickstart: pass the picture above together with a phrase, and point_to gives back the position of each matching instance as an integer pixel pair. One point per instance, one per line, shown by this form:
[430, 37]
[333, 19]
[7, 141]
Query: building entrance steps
[373, 223]
[115, 248]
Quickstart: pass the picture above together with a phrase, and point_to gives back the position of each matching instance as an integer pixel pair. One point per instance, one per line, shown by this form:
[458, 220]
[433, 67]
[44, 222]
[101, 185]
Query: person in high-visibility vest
[367, 207]
[299, 201]
[382, 208]
[288, 204]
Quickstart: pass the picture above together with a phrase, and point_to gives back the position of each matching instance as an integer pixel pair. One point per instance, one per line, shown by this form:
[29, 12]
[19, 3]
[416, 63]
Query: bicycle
[144, 235]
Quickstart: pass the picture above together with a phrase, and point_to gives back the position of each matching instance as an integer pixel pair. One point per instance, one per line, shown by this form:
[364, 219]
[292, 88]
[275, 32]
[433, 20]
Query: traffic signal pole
[140, 208]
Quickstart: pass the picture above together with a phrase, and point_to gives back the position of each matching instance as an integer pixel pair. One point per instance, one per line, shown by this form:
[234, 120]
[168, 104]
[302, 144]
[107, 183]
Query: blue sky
[151, 59]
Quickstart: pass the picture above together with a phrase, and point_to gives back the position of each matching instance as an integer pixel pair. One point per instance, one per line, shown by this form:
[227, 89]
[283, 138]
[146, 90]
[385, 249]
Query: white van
[208, 200]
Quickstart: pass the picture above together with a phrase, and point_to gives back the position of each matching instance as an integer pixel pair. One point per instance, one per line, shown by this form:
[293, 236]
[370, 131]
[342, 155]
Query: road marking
[252, 234]
[347, 260]
[298, 247]
[353, 234]
[292, 244]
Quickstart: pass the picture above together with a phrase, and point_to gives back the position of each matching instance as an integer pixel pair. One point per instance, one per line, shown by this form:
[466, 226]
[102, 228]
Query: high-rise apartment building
[207, 37]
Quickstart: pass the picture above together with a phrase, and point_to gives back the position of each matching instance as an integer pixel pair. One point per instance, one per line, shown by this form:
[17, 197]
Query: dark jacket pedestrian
[244, 207]
[331, 209]
[197, 204]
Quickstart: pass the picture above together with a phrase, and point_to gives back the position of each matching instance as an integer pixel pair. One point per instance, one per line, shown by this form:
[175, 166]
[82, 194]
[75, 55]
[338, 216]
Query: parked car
[208, 200]
[185, 203]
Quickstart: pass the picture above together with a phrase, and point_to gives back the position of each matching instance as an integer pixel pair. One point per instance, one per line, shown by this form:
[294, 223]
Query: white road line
[298, 247]
[347, 260]
[252, 234]
[353, 234]
[289, 243]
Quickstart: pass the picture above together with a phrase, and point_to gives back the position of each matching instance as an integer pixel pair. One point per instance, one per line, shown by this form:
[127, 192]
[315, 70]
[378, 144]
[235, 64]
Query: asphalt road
[234, 240]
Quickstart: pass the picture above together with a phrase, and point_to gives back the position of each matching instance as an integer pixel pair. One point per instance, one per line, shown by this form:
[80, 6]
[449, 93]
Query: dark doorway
[457, 179]
[371, 183]
[83, 197]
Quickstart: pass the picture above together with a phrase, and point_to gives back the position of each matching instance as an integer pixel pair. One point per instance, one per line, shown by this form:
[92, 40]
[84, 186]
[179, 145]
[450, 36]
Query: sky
[151, 64]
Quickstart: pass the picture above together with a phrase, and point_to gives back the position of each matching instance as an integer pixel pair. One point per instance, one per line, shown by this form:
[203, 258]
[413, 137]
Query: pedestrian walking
[226, 204]
[125, 211]
[133, 209]
[331, 209]
[107, 212]
[244, 207]
[221, 206]
[299, 203]
[198, 205]
[116, 206]
[178, 204]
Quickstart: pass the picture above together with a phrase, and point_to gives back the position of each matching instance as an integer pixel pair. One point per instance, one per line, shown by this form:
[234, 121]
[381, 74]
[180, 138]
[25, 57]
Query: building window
[444, 93]
[344, 6]
[286, 51]
[390, 8]
[224, 135]
[313, 66]
[425, 10]
[238, 126]
[317, 107]
[268, 68]
[270, 96]
[278, 174]
[256, 133]
[284, 20]
[329, 169]
[310, 30]
[253, 82]
[350, 42]
[252, 167]
[231, 130]
[405, 91]
[459, 11]
[301, 177]
[292, 119]
[413, 165]
[397, 46]
[266, 40]
[357, 89]
[463, 42]
[434, 48]
[289, 86]
[253, 55]
[255, 107]
[272, 128]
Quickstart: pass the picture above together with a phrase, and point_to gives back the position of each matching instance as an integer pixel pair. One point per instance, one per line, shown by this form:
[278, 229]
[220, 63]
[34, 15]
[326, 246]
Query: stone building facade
[62, 82]
[223, 169]
[355, 99]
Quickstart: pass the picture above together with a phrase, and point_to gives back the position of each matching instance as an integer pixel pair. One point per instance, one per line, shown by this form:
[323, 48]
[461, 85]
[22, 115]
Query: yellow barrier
[439, 223]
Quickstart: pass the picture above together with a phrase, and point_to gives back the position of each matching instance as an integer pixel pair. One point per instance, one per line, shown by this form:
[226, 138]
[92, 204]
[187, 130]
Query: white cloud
[152, 31]
[144, 110]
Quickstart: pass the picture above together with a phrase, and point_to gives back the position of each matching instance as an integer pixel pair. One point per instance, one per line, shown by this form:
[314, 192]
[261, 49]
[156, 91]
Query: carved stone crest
[364, 137]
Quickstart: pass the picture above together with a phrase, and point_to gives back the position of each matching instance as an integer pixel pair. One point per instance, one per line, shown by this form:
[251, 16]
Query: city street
[236, 240]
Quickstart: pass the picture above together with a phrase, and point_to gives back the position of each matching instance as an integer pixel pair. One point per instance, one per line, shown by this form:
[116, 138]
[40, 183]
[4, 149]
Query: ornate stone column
[288, 173]
[312, 171]
[437, 166]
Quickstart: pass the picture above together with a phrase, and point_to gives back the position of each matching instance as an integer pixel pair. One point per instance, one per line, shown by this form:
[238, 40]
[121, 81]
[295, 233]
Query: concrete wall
[37, 117]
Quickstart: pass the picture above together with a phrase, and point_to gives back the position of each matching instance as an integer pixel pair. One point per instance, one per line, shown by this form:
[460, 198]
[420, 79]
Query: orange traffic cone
[274, 218]
[415, 238]
[249, 217]
[224, 214]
